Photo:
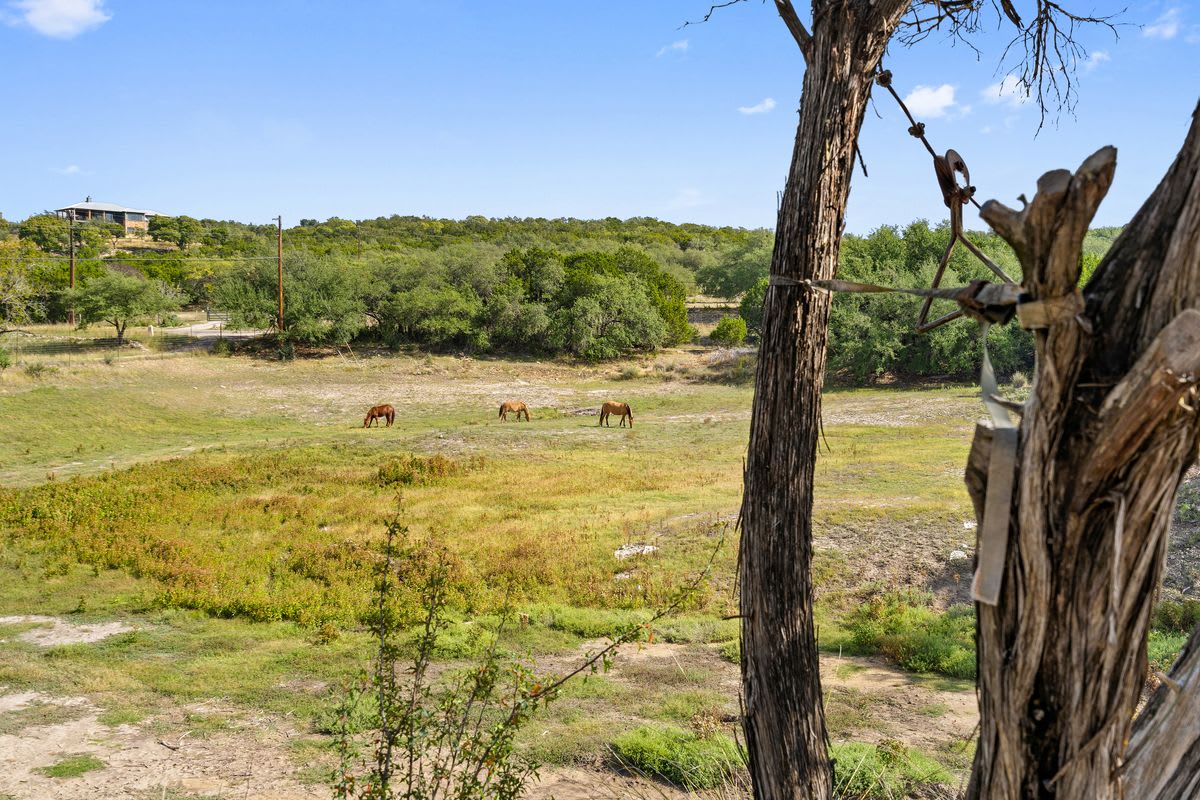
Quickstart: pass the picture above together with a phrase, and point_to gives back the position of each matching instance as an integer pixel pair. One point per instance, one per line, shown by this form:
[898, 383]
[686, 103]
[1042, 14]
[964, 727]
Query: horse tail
[501, 414]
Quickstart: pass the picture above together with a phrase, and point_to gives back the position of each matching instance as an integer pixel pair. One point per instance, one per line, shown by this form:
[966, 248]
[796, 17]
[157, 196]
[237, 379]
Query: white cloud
[1165, 27]
[759, 108]
[60, 19]
[1009, 91]
[927, 101]
[1097, 58]
[674, 47]
[70, 169]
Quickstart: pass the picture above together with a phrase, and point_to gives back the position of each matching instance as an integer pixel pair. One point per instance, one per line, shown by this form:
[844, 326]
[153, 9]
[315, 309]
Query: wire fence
[27, 349]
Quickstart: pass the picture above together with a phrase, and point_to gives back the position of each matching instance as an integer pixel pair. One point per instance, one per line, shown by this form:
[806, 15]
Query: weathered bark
[1163, 760]
[1105, 437]
[783, 718]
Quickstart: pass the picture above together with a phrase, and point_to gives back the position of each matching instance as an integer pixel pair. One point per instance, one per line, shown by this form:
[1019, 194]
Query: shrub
[438, 735]
[5, 359]
[887, 769]
[751, 307]
[222, 347]
[418, 470]
[37, 370]
[903, 627]
[679, 756]
[1177, 616]
[730, 331]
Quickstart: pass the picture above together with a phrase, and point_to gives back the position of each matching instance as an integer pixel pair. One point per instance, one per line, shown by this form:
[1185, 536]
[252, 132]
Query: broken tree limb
[1167, 369]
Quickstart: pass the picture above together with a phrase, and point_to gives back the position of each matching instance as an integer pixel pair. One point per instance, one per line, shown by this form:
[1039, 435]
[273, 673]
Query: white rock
[958, 555]
[628, 550]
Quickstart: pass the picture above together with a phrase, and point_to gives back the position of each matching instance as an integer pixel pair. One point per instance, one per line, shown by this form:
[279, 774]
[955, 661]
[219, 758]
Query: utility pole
[279, 253]
[71, 246]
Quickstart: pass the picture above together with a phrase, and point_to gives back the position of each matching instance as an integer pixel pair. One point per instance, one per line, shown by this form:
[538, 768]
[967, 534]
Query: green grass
[73, 766]
[903, 626]
[1163, 648]
[886, 770]
[275, 524]
[678, 756]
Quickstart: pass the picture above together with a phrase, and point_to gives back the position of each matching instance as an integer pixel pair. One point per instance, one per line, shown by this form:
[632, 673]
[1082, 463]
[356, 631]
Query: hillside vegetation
[591, 289]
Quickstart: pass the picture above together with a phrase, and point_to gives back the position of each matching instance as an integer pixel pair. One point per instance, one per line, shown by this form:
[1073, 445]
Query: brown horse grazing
[514, 405]
[380, 412]
[622, 410]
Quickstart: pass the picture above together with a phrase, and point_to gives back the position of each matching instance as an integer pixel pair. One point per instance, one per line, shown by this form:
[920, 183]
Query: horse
[514, 405]
[622, 410]
[380, 412]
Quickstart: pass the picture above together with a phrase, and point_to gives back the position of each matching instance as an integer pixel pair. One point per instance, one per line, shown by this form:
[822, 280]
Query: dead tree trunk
[783, 720]
[1105, 437]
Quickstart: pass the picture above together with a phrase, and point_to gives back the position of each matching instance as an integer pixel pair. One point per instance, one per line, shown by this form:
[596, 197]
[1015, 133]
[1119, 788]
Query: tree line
[592, 289]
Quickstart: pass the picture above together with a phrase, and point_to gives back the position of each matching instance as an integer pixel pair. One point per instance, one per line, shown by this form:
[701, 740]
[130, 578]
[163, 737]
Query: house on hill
[135, 221]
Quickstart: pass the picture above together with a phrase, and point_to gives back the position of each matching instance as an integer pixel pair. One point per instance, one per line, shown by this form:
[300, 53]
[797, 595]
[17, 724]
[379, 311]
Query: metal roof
[110, 207]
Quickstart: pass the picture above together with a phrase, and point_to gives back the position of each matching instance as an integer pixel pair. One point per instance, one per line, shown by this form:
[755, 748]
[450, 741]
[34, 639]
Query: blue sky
[248, 109]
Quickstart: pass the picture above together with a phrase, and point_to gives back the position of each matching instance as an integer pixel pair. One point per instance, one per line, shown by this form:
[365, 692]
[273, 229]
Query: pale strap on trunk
[993, 533]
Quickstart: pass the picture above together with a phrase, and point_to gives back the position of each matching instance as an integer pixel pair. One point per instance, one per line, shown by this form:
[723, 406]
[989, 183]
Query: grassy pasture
[229, 509]
[273, 516]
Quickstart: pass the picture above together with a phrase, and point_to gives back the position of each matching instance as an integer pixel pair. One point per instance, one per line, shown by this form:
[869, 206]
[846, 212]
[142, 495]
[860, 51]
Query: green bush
[730, 331]
[1182, 616]
[222, 347]
[5, 359]
[37, 370]
[887, 769]
[751, 307]
[324, 300]
[903, 627]
[678, 756]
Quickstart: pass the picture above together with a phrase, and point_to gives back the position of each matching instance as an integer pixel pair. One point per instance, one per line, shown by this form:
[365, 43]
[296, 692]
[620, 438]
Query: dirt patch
[935, 554]
[53, 631]
[250, 758]
[871, 701]
[902, 410]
